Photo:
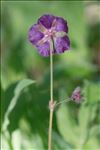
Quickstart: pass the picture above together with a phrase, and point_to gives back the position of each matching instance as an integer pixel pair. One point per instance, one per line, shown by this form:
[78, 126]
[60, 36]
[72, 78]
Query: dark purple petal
[49, 27]
[61, 44]
[46, 21]
[44, 49]
[60, 24]
[34, 34]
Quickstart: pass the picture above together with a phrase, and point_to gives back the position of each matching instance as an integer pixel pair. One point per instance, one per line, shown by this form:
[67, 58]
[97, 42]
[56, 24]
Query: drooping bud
[77, 95]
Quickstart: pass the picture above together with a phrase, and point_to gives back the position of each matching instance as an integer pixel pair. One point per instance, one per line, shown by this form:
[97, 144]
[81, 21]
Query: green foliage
[92, 92]
[22, 84]
[85, 125]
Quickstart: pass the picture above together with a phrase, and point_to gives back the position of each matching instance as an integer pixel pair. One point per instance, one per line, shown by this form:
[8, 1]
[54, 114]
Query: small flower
[49, 34]
[77, 95]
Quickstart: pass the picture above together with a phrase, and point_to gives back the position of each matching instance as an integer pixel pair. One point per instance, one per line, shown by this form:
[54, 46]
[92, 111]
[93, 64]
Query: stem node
[52, 105]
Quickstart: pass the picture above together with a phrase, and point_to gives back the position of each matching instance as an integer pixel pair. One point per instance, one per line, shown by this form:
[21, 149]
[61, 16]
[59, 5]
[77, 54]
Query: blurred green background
[24, 103]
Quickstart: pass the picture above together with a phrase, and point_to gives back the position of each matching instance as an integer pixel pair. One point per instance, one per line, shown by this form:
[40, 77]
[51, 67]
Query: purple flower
[50, 33]
[76, 95]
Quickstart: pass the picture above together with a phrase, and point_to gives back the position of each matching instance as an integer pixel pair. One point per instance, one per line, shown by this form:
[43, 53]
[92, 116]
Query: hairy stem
[51, 76]
[51, 104]
[63, 101]
[50, 131]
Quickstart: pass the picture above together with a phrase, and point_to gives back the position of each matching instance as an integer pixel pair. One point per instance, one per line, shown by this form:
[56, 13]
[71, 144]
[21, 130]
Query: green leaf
[91, 92]
[20, 86]
[84, 118]
[66, 125]
[92, 143]
[94, 112]
[59, 143]
[95, 130]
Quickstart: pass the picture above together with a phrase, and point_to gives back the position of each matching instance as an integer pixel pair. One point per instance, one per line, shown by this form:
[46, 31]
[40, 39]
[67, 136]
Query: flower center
[49, 33]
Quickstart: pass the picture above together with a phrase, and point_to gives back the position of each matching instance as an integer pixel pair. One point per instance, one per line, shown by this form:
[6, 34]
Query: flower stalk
[63, 101]
[51, 103]
[50, 130]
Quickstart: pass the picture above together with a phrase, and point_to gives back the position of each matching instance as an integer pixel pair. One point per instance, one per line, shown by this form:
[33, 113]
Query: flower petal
[44, 49]
[46, 21]
[60, 24]
[61, 44]
[34, 34]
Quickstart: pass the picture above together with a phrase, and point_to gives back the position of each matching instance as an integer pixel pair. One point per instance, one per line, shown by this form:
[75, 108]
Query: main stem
[51, 103]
